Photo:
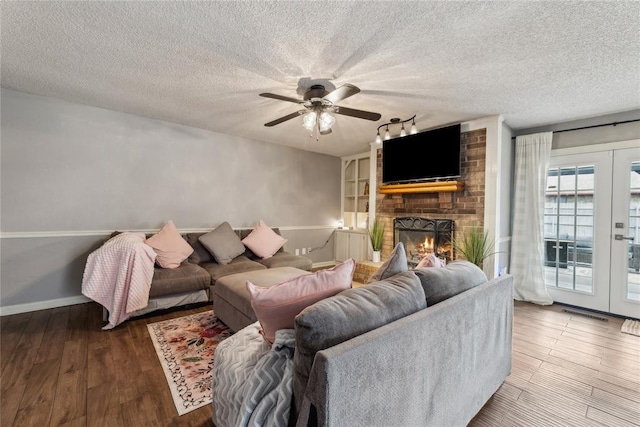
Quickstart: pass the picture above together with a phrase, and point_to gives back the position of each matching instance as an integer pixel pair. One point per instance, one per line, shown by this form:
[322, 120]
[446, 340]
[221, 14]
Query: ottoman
[231, 299]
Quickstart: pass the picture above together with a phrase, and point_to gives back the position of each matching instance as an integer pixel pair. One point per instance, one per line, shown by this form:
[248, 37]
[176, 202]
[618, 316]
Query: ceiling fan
[318, 103]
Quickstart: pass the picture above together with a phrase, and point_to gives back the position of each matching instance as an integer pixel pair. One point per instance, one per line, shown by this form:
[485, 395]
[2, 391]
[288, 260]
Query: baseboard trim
[43, 305]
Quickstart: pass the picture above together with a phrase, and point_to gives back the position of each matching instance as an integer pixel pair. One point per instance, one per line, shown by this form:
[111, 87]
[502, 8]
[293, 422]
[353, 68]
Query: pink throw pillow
[276, 307]
[263, 241]
[170, 247]
[430, 261]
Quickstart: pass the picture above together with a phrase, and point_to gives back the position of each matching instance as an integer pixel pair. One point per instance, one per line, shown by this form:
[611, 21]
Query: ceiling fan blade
[343, 92]
[285, 118]
[358, 113]
[282, 98]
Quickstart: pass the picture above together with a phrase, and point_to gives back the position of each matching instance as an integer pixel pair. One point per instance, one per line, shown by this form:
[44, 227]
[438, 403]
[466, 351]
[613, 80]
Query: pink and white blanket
[118, 276]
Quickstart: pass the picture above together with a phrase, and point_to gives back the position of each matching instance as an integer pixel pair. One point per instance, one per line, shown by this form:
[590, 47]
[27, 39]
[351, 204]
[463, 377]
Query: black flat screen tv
[425, 156]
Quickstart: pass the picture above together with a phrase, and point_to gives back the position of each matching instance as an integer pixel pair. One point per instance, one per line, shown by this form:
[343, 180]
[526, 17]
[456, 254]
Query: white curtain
[527, 245]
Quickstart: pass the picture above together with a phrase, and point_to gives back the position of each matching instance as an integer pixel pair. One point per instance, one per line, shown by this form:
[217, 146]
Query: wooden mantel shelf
[423, 187]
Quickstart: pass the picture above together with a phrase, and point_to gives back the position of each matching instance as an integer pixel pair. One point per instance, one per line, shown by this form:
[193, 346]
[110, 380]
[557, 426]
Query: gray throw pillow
[351, 313]
[445, 282]
[397, 263]
[223, 243]
[200, 253]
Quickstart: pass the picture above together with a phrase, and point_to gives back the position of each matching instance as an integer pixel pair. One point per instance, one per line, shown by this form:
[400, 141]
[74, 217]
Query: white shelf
[355, 180]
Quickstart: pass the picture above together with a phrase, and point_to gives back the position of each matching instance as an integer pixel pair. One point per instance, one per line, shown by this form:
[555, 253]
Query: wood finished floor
[59, 368]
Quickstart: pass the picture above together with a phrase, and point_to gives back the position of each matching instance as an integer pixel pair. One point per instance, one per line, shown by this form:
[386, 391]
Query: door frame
[595, 148]
[598, 298]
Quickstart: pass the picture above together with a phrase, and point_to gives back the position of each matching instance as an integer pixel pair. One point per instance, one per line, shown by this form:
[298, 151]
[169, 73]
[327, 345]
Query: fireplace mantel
[423, 187]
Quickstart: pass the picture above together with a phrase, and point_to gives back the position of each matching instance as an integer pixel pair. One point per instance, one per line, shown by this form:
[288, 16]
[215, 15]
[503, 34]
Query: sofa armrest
[438, 366]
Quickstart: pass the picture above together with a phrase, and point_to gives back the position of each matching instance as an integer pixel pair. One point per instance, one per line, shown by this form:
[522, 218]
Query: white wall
[505, 201]
[71, 173]
[497, 204]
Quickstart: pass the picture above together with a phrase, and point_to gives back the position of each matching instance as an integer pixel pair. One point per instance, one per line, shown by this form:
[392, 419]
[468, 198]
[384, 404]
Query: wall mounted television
[425, 156]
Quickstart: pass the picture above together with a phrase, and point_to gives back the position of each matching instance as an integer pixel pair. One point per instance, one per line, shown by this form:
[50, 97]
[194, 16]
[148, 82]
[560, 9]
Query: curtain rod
[594, 126]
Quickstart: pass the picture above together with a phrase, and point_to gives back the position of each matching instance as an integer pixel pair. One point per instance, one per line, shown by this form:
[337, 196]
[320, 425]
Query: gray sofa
[426, 347]
[194, 280]
[435, 367]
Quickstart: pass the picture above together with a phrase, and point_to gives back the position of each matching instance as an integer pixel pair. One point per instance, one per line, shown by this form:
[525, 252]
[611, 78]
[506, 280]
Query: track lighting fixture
[403, 131]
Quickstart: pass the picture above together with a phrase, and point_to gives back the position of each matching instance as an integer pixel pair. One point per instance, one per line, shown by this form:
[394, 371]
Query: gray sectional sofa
[425, 347]
[194, 280]
[434, 367]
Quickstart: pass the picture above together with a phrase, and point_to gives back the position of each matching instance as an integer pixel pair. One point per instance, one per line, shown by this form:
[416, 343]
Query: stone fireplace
[424, 236]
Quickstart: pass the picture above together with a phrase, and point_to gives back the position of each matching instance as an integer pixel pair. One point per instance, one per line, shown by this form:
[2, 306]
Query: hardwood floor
[60, 368]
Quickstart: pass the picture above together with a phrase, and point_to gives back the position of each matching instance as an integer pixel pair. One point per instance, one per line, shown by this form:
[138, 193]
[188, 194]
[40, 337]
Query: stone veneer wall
[466, 208]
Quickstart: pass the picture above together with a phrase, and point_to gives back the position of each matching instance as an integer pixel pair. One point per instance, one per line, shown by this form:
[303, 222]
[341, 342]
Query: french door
[592, 230]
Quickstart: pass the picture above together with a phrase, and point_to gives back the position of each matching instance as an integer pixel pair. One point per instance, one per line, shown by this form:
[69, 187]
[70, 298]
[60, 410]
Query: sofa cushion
[456, 277]
[396, 263]
[223, 243]
[277, 306]
[200, 253]
[285, 259]
[263, 241]
[170, 247]
[185, 278]
[349, 314]
[237, 265]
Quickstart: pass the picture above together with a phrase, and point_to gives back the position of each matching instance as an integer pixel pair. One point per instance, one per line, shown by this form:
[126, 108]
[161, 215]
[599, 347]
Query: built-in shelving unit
[423, 187]
[355, 191]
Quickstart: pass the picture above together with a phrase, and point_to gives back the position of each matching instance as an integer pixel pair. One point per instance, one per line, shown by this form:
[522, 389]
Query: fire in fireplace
[424, 236]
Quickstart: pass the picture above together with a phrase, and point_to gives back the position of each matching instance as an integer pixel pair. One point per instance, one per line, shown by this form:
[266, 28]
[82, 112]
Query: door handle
[621, 237]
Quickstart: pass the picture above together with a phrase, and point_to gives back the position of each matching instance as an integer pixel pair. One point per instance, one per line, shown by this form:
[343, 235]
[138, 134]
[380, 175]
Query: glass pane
[363, 168]
[568, 227]
[552, 181]
[349, 188]
[568, 180]
[633, 267]
[350, 171]
[586, 178]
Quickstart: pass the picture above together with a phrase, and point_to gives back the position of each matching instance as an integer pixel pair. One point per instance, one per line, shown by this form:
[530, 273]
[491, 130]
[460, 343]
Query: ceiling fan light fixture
[318, 103]
[387, 135]
[325, 122]
[403, 132]
[309, 120]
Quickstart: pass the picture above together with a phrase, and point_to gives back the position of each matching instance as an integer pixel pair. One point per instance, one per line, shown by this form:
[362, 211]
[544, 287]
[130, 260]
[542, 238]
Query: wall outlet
[297, 251]
[304, 251]
[308, 250]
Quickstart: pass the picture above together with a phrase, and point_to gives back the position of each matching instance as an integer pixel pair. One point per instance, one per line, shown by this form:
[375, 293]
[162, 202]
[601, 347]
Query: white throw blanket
[118, 276]
[252, 381]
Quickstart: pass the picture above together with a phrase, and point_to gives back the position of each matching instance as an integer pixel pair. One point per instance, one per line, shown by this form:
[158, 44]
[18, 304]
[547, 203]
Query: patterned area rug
[185, 347]
[631, 327]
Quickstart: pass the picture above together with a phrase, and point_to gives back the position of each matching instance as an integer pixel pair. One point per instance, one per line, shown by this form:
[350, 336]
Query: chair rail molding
[102, 233]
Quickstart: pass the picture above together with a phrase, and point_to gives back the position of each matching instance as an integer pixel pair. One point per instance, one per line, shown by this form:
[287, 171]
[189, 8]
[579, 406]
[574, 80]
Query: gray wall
[598, 135]
[71, 173]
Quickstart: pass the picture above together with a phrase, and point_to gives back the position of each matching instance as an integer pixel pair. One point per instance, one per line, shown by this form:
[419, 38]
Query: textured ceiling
[203, 64]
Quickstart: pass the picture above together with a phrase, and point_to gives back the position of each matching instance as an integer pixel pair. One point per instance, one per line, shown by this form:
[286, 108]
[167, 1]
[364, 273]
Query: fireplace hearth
[424, 236]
